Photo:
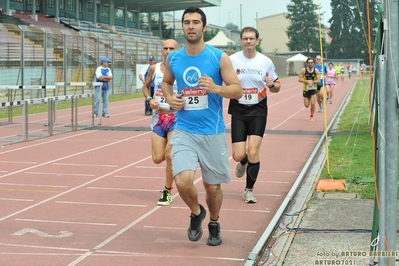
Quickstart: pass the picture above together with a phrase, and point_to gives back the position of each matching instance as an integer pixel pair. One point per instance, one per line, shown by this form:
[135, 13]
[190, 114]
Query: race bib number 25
[196, 98]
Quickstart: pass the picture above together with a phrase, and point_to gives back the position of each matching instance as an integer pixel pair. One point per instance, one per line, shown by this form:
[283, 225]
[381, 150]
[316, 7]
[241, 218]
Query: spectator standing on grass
[204, 75]
[257, 74]
[104, 75]
[163, 119]
[142, 76]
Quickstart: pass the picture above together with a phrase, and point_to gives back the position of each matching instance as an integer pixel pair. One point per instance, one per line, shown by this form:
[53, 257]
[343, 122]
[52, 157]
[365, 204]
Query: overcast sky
[250, 10]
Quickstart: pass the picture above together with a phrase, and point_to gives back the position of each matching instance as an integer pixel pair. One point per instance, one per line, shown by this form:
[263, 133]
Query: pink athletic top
[330, 76]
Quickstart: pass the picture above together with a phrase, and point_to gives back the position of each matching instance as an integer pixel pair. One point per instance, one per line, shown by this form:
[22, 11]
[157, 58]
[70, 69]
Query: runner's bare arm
[301, 77]
[317, 76]
[231, 87]
[147, 83]
[174, 100]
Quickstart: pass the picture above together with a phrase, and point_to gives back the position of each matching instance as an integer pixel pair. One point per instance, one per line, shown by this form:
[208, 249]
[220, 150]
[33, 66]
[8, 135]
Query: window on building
[105, 11]
[71, 5]
[90, 8]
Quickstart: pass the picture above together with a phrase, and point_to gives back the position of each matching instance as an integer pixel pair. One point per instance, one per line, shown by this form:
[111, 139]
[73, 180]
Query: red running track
[89, 197]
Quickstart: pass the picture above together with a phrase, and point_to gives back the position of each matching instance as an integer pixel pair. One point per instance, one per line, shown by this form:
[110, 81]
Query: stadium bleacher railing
[31, 55]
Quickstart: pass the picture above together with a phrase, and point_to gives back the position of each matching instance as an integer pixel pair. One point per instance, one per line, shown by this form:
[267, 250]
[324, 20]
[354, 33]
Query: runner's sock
[252, 174]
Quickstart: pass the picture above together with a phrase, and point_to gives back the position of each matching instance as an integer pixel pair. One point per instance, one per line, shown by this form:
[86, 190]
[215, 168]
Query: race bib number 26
[196, 98]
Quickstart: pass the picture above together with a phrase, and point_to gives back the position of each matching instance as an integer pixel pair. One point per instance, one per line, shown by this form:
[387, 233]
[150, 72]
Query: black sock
[244, 160]
[252, 174]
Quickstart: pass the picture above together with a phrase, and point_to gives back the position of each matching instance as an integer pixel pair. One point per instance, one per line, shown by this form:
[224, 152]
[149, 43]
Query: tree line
[348, 28]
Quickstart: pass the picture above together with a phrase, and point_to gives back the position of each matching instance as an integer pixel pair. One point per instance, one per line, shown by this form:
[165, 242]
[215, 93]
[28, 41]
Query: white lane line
[19, 254]
[57, 174]
[47, 141]
[150, 167]
[124, 189]
[14, 162]
[114, 236]
[107, 253]
[262, 181]
[271, 171]
[75, 154]
[15, 199]
[288, 118]
[233, 210]
[73, 189]
[31, 185]
[140, 177]
[86, 165]
[62, 222]
[239, 193]
[185, 229]
[42, 247]
[100, 204]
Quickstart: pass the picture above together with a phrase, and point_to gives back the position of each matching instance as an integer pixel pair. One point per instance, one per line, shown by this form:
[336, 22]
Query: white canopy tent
[221, 41]
[295, 64]
[297, 58]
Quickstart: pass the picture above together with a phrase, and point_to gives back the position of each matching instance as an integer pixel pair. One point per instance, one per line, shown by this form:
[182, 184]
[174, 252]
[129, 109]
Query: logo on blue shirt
[191, 76]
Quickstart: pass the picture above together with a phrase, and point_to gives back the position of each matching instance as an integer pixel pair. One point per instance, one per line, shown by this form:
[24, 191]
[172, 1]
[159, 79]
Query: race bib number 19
[196, 98]
[249, 96]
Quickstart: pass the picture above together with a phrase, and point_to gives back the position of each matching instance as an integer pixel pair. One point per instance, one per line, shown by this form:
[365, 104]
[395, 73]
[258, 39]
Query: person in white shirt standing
[257, 74]
[104, 75]
[143, 76]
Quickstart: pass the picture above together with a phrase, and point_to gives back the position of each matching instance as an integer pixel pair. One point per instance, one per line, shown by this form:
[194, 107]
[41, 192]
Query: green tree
[231, 26]
[349, 28]
[209, 34]
[303, 31]
[258, 47]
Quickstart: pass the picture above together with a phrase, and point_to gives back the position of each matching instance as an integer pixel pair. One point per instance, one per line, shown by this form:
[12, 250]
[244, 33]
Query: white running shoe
[240, 169]
[249, 196]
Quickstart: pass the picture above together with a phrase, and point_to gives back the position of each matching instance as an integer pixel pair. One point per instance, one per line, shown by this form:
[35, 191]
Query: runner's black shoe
[214, 238]
[194, 231]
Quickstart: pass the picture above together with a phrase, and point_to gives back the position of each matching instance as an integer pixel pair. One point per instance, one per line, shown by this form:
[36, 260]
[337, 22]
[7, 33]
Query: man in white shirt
[142, 76]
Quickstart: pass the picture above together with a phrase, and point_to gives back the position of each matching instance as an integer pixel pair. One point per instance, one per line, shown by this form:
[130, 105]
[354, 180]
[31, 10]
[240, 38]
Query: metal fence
[42, 56]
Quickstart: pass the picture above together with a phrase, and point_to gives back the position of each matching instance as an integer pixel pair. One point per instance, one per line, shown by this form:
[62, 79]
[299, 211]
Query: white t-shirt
[158, 95]
[251, 72]
[144, 70]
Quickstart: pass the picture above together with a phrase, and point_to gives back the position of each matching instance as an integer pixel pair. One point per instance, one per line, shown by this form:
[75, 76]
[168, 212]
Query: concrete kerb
[298, 195]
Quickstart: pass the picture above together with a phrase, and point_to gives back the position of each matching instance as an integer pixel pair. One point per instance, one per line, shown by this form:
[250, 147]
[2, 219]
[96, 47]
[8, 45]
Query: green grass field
[350, 155]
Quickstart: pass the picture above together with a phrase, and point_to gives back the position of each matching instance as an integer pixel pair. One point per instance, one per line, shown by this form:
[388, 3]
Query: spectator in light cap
[104, 75]
[142, 76]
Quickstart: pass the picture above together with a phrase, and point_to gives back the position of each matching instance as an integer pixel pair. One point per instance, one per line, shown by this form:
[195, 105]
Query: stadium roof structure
[155, 6]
